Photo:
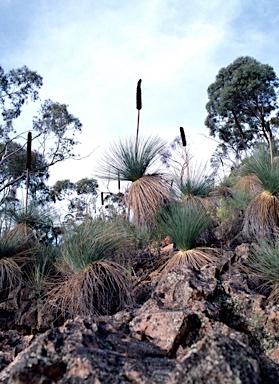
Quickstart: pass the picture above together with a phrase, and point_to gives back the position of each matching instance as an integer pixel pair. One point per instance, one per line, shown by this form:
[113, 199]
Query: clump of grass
[263, 262]
[184, 223]
[41, 268]
[101, 288]
[136, 162]
[123, 162]
[196, 184]
[16, 246]
[91, 283]
[266, 172]
[262, 215]
[38, 219]
[229, 213]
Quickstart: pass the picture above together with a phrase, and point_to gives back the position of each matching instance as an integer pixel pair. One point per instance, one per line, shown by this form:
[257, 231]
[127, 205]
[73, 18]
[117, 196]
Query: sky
[91, 54]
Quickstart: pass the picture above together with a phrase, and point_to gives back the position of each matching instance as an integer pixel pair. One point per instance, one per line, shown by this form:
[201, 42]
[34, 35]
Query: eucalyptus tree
[54, 129]
[241, 103]
[80, 196]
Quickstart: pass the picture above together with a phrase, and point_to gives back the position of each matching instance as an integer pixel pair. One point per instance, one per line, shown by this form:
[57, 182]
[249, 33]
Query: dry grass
[194, 258]
[250, 184]
[10, 276]
[89, 283]
[102, 288]
[145, 197]
[261, 217]
[137, 162]
[16, 246]
[185, 222]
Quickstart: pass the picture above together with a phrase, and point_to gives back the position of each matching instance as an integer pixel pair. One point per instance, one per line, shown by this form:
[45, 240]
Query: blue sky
[91, 53]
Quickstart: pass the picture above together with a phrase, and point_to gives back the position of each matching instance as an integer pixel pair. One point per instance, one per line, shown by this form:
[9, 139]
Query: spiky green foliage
[198, 182]
[263, 262]
[41, 268]
[124, 162]
[262, 215]
[184, 223]
[131, 161]
[90, 242]
[266, 171]
[16, 242]
[16, 246]
[39, 219]
[90, 283]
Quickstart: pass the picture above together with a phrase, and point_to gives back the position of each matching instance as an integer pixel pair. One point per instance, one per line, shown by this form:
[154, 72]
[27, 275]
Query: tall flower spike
[138, 97]
[183, 137]
[139, 106]
[28, 152]
[28, 166]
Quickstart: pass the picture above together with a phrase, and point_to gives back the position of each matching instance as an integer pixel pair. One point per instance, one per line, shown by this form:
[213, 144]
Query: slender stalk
[184, 143]
[118, 183]
[270, 141]
[28, 165]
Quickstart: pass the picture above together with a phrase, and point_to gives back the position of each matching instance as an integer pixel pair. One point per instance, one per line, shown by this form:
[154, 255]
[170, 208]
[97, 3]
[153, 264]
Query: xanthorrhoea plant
[16, 247]
[263, 262]
[128, 161]
[91, 283]
[184, 222]
[262, 215]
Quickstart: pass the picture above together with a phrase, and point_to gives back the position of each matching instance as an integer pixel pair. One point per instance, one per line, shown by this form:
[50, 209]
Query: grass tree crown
[184, 222]
[127, 161]
[266, 170]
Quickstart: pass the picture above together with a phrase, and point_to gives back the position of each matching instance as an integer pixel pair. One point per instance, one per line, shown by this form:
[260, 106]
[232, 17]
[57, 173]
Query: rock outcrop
[209, 326]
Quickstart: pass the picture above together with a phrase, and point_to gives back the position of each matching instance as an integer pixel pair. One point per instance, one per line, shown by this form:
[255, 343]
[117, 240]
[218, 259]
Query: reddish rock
[219, 359]
[208, 326]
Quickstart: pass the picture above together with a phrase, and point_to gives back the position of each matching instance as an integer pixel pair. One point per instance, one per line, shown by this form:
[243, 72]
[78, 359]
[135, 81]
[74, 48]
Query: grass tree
[16, 246]
[262, 215]
[185, 222]
[40, 269]
[263, 262]
[135, 161]
[39, 219]
[195, 184]
[91, 284]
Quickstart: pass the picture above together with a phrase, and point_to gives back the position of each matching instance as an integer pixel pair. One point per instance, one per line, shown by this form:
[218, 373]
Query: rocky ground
[212, 326]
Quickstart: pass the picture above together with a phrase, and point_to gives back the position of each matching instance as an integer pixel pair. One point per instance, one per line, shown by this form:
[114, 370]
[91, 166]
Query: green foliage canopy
[54, 130]
[240, 104]
[16, 88]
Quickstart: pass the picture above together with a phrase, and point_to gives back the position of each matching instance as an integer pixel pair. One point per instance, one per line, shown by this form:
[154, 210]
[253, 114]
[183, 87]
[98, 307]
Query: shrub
[16, 246]
[184, 223]
[91, 283]
[263, 262]
[262, 215]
